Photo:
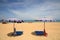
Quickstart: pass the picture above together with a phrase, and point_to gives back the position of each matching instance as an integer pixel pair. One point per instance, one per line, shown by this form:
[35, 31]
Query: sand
[52, 28]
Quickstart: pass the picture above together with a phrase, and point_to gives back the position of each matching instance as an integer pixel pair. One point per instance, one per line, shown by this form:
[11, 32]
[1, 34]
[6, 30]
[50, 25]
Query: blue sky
[30, 9]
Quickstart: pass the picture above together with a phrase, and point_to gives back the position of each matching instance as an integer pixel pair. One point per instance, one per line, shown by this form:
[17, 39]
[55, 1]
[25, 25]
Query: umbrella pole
[44, 24]
[44, 27]
[14, 28]
[45, 34]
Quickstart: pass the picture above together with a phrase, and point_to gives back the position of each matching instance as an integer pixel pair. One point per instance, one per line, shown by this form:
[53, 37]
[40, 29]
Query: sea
[41, 21]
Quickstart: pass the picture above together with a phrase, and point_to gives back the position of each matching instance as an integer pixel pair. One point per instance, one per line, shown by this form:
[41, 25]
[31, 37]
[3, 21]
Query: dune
[52, 28]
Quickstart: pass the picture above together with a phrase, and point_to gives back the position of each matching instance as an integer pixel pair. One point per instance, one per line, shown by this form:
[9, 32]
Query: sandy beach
[52, 28]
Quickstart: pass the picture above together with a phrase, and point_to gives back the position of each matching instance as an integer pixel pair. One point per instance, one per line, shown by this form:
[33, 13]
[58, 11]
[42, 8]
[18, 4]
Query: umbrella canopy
[48, 19]
[12, 19]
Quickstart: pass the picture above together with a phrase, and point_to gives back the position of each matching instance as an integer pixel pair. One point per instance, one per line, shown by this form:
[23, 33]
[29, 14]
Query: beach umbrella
[41, 33]
[3, 20]
[15, 32]
[47, 19]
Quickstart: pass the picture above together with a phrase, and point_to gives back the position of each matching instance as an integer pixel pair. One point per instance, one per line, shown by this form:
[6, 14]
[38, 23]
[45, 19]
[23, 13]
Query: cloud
[34, 9]
[38, 11]
[23, 15]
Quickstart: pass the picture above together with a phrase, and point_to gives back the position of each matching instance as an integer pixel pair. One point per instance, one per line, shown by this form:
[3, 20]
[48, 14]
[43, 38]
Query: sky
[30, 9]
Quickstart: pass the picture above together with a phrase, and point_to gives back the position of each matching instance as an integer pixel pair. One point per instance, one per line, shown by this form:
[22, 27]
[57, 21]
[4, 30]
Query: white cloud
[35, 11]
[23, 15]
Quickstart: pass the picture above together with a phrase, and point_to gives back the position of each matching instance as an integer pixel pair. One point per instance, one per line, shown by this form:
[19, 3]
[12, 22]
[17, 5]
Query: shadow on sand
[11, 34]
[33, 33]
